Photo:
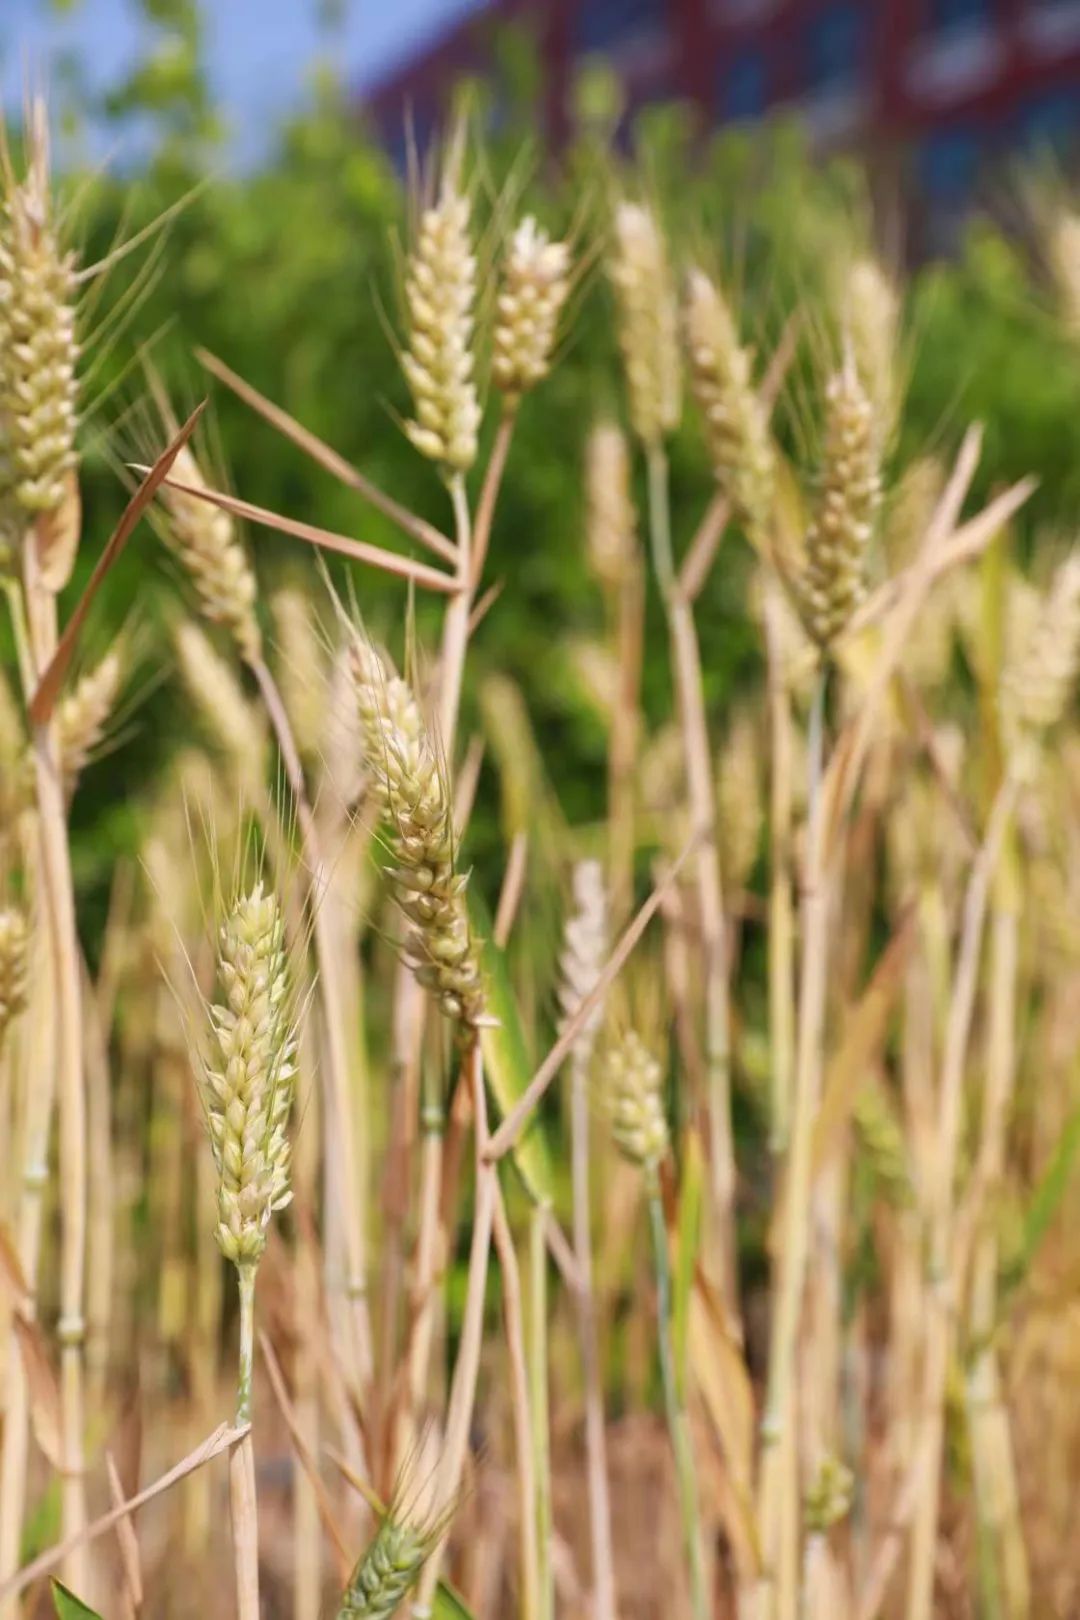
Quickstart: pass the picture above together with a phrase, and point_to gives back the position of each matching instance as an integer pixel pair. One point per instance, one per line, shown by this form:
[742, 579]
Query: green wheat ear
[387, 1571]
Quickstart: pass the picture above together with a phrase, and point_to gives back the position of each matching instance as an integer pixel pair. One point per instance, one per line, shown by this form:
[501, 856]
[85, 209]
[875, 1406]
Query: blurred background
[773, 130]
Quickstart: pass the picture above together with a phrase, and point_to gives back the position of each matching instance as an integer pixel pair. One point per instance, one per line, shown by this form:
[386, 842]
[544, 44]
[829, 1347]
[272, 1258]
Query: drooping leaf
[689, 1235]
[1047, 1197]
[70, 1607]
[506, 1060]
[449, 1606]
[44, 1393]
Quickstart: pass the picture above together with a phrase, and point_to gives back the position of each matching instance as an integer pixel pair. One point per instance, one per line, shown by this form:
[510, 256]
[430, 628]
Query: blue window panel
[1052, 119]
[604, 25]
[949, 165]
[835, 45]
[957, 16]
[744, 84]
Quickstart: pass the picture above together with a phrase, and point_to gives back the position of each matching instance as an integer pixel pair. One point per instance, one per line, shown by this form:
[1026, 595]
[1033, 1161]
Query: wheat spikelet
[535, 284]
[249, 1084]
[38, 351]
[84, 714]
[440, 295]
[632, 1089]
[1040, 674]
[584, 952]
[648, 322]
[871, 324]
[387, 1571]
[739, 811]
[205, 541]
[14, 951]
[415, 804]
[828, 1496]
[736, 421]
[610, 523]
[12, 516]
[226, 713]
[832, 580]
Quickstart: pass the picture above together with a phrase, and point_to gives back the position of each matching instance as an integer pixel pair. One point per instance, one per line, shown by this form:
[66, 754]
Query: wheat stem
[690, 696]
[36, 1058]
[603, 1571]
[781, 919]
[656, 462]
[677, 1418]
[343, 1105]
[466, 1368]
[60, 911]
[538, 1387]
[940, 1303]
[242, 1496]
[456, 628]
[522, 1411]
[994, 1466]
[793, 1244]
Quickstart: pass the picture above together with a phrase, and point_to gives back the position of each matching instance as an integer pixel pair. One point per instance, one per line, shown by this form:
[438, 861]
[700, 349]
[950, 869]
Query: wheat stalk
[631, 1082]
[584, 952]
[247, 1090]
[38, 410]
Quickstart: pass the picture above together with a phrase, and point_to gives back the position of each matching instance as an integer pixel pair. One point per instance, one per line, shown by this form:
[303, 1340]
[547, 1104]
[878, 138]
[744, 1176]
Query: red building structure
[954, 83]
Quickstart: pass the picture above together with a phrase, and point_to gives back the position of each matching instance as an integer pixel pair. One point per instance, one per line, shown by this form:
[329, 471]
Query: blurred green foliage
[289, 274]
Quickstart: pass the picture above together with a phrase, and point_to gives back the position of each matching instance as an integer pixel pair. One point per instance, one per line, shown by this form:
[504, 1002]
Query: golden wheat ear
[735, 417]
[440, 301]
[648, 322]
[535, 285]
[832, 581]
[413, 794]
[38, 387]
[250, 1080]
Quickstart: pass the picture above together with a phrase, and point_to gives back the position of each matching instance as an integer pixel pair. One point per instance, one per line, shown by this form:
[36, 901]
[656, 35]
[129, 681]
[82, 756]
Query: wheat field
[674, 1219]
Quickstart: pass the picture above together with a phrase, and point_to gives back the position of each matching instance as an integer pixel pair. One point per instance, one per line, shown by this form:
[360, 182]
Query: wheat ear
[736, 420]
[204, 539]
[412, 792]
[38, 387]
[648, 322]
[833, 578]
[535, 284]
[84, 714]
[440, 295]
[388, 1569]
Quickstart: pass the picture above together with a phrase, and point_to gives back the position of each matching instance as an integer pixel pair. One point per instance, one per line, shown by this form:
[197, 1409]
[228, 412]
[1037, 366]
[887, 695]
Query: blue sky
[259, 50]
